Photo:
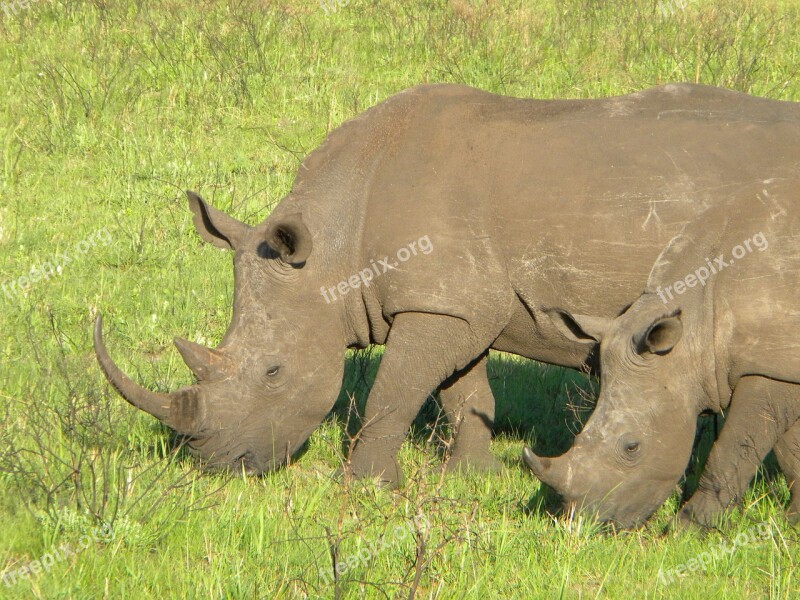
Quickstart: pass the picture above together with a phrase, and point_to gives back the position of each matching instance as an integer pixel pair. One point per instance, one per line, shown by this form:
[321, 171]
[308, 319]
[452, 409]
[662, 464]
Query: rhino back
[530, 204]
[560, 200]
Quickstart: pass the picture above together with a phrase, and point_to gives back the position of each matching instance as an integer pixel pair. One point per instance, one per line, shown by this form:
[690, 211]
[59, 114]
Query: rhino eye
[632, 447]
[272, 371]
[629, 449]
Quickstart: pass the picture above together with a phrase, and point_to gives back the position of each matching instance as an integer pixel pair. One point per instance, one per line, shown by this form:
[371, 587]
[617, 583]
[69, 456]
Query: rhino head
[277, 371]
[635, 447]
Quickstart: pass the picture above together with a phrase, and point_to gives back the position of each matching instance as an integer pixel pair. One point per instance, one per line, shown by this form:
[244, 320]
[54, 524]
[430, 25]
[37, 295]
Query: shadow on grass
[540, 405]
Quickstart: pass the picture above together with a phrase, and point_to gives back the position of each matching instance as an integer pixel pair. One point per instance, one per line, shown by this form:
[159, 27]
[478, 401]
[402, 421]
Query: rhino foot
[683, 523]
[693, 517]
[387, 472]
[483, 462]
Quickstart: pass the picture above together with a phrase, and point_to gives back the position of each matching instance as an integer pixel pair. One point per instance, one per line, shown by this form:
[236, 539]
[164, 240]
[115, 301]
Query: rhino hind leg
[422, 351]
[468, 403]
[787, 451]
[761, 412]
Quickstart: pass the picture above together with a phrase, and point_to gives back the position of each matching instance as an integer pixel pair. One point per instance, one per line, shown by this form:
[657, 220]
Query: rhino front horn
[205, 363]
[547, 470]
[153, 403]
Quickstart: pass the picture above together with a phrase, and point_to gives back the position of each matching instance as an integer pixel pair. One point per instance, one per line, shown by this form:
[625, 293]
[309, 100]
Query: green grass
[111, 109]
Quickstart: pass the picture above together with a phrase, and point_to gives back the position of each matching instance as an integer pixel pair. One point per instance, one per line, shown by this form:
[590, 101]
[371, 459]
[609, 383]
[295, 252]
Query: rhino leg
[761, 411]
[422, 350]
[469, 404]
[787, 451]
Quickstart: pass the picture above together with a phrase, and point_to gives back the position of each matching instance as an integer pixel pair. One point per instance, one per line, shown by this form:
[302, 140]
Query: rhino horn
[187, 411]
[205, 363]
[549, 471]
[154, 403]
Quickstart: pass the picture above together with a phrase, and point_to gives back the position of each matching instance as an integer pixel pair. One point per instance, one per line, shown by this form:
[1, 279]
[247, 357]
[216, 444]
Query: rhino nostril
[244, 460]
[246, 464]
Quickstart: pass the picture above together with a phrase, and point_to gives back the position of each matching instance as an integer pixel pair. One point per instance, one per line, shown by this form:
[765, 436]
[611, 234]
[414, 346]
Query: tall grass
[111, 109]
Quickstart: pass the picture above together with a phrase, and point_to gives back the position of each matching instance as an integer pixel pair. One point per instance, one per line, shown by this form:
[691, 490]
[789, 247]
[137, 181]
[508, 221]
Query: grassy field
[110, 110]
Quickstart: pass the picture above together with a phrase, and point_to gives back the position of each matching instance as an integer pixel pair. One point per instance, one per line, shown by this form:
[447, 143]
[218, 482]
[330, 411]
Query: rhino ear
[661, 336]
[214, 226]
[579, 328]
[290, 238]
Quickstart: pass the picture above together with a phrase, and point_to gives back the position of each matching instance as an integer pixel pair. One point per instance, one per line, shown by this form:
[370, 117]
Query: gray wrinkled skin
[530, 207]
[729, 345]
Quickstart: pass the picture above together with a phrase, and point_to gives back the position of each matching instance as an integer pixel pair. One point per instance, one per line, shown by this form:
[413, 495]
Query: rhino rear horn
[205, 363]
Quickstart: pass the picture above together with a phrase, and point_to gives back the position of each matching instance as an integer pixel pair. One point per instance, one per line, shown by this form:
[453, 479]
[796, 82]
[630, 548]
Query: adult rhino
[715, 330]
[529, 207]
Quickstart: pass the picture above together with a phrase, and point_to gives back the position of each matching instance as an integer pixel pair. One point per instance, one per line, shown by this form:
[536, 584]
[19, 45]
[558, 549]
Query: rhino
[444, 222]
[715, 330]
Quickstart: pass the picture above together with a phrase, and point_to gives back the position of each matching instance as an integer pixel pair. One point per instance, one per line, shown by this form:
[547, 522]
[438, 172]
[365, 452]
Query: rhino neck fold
[715, 380]
[365, 316]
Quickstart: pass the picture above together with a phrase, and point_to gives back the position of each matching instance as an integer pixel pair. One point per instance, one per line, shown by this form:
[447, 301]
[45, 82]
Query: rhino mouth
[258, 442]
[182, 410]
[246, 463]
[616, 503]
[235, 462]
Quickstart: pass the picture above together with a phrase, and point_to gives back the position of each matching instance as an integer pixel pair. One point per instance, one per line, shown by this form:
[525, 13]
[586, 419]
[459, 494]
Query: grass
[112, 109]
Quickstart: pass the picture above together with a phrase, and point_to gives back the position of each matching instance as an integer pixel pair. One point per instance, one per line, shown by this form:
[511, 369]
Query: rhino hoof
[685, 521]
[483, 463]
[391, 478]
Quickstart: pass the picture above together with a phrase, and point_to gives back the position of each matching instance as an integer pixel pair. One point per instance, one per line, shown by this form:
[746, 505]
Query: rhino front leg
[762, 410]
[422, 350]
[787, 451]
[469, 404]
